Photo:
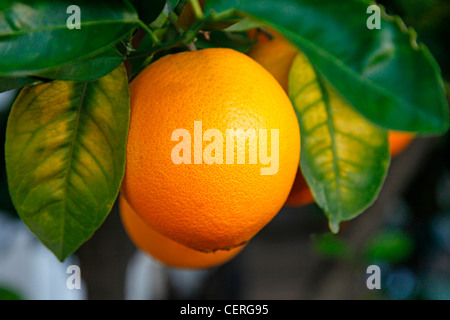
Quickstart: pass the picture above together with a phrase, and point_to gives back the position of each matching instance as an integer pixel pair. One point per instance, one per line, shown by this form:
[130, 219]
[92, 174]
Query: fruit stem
[191, 46]
[190, 34]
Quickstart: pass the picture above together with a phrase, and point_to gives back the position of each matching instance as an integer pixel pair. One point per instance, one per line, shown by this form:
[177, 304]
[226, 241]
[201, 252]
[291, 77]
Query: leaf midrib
[332, 130]
[69, 167]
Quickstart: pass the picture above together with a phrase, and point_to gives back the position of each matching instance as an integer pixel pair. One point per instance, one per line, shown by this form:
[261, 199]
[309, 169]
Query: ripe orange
[277, 55]
[165, 250]
[207, 206]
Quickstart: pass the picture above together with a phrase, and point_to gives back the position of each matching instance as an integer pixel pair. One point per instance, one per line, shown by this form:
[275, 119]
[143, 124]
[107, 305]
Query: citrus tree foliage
[66, 133]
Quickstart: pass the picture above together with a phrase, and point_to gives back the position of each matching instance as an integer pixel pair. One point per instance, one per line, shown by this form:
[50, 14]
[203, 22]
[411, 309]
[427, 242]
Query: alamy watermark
[74, 20]
[374, 21]
[227, 148]
[74, 280]
[373, 280]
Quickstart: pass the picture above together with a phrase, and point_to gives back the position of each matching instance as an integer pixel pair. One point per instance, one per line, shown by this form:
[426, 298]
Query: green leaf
[244, 25]
[384, 74]
[344, 157]
[35, 38]
[89, 69]
[65, 157]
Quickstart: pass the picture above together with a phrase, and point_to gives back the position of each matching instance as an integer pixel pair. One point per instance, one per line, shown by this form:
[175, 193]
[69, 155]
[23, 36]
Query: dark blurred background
[406, 232]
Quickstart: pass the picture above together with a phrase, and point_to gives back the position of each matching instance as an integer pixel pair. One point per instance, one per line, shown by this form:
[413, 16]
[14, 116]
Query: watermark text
[227, 149]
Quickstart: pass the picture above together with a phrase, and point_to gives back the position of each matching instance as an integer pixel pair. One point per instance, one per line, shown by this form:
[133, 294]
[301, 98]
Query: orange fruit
[277, 55]
[399, 141]
[300, 194]
[259, 35]
[165, 250]
[219, 205]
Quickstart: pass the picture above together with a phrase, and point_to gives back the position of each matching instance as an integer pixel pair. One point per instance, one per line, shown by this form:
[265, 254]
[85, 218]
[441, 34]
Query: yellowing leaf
[344, 157]
[65, 156]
